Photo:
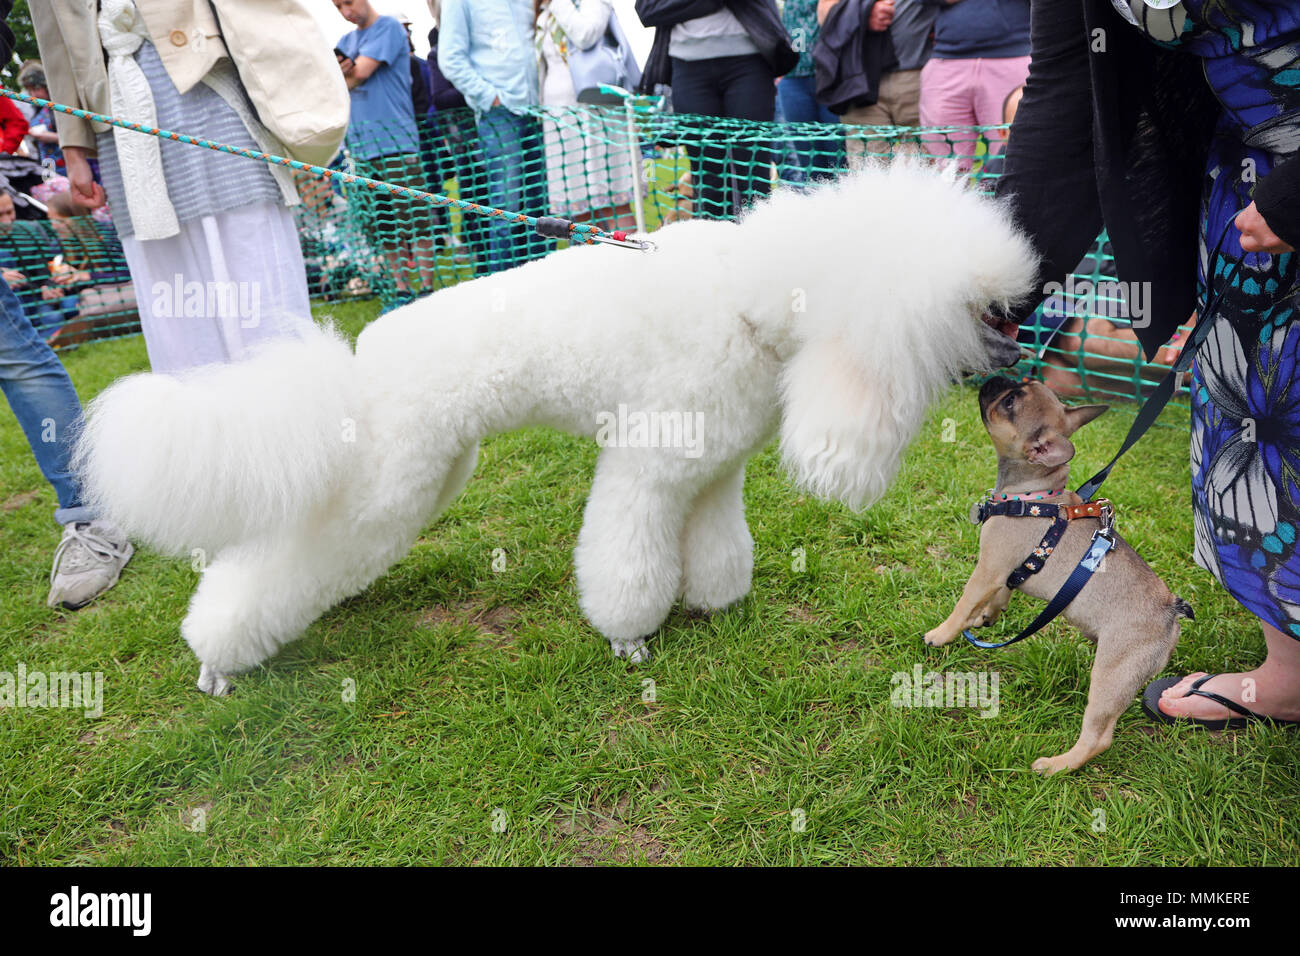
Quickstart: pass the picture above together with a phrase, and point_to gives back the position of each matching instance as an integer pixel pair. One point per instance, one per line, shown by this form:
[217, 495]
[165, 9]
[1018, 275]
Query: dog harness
[1103, 539]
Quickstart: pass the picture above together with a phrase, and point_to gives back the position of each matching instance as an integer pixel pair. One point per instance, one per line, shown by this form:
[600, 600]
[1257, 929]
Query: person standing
[454, 151]
[588, 177]
[721, 59]
[819, 157]
[190, 217]
[91, 553]
[384, 142]
[41, 127]
[1181, 131]
[909, 25]
[981, 54]
[486, 50]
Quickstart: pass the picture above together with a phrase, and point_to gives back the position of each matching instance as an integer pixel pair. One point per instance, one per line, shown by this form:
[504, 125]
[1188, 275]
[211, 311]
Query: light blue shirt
[486, 50]
[383, 116]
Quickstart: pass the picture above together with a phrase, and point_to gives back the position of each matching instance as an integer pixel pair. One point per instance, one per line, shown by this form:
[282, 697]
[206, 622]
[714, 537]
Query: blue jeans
[819, 158]
[42, 397]
[515, 159]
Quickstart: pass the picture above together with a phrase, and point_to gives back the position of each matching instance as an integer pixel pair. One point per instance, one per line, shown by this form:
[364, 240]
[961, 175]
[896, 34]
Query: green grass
[479, 690]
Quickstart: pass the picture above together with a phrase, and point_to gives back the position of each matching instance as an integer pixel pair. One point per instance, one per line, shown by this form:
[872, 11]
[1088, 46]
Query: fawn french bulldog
[1125, 609]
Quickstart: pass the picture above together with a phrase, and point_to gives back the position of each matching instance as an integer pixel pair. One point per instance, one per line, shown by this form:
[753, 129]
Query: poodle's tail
[223, 453]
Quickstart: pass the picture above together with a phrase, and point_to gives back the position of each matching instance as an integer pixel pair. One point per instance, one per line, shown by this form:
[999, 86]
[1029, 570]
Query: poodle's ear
[1080, 415]
[842, 431]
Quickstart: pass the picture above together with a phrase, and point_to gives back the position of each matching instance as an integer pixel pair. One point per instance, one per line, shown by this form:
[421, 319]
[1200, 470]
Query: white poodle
[300, 476]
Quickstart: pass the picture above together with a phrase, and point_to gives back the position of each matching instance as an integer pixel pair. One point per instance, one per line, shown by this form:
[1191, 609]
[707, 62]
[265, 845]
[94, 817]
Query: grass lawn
[490, 724]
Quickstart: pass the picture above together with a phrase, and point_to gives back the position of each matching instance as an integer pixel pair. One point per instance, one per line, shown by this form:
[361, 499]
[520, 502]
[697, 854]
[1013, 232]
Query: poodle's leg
[717, 551]
[628, 559]
[458, 476]
[255, 598]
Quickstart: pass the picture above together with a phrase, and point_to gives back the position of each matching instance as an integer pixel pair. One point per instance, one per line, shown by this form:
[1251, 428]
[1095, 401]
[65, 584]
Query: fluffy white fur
[307, 471]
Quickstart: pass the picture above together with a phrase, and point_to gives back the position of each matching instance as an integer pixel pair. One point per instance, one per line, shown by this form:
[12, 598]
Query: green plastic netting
[630, 166]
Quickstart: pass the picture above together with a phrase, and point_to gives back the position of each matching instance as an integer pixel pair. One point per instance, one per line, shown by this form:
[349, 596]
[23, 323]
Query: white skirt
[224, 284]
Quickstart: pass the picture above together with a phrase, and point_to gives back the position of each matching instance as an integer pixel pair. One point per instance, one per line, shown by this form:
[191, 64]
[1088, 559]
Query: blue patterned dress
[1245, 390]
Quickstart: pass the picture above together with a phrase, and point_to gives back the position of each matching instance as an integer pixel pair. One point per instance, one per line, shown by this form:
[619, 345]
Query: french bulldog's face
[1028, 423]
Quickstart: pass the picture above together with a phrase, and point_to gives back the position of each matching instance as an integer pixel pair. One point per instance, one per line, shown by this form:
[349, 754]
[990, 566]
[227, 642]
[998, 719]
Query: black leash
[1103, 539]
[1158, 399]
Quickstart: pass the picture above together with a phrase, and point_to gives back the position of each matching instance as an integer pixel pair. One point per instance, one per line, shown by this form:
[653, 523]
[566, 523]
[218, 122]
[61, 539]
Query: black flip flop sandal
[1151, 704]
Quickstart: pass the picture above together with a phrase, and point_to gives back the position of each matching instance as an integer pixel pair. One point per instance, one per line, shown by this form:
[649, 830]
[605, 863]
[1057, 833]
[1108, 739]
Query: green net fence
[71, 278]
[628, 165]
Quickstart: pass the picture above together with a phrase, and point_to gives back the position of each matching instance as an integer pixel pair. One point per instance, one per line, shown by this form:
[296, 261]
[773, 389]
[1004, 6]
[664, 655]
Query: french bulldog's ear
[1080, 415]
[1049, 450]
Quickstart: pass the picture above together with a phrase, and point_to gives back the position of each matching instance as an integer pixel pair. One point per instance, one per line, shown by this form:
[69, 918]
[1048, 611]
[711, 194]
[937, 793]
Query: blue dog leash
[1103, 539]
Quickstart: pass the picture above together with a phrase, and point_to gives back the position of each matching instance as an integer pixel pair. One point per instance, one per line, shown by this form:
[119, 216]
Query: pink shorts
[966, 93]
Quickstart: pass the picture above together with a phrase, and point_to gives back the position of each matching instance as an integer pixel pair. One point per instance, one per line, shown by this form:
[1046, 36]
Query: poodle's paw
[212, 681]
[1050, 765]
[634, 649]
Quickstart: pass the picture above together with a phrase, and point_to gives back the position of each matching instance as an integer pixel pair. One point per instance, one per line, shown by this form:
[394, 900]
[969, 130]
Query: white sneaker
[87, 563]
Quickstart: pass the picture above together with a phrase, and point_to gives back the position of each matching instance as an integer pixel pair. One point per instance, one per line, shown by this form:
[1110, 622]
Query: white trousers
[225, 284]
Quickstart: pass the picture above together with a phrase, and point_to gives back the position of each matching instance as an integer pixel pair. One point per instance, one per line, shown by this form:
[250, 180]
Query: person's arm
[363, 68]
[13, 126]
[1277, 201]
[453, 57]
[1050, 179]
[383, 45]
[669, 13]
[582, 26]
[56, 57]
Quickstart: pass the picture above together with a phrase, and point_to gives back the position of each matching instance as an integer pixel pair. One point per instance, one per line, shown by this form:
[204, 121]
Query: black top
[1114, 128]
[760, 19]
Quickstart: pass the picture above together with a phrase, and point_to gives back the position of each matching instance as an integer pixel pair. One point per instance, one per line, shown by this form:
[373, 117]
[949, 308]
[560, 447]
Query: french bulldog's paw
[936, 639]
[1050, 765]
[212, 681]
[635, 649]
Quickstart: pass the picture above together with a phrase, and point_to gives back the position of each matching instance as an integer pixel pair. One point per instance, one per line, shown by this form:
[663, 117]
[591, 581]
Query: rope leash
[549, 226]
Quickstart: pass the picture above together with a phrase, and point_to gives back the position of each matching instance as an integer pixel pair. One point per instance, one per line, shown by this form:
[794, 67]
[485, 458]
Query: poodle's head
[910, 274]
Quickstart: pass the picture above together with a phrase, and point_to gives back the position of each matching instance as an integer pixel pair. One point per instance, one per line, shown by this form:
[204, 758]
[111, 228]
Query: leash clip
[1107, 519]
[624, 242]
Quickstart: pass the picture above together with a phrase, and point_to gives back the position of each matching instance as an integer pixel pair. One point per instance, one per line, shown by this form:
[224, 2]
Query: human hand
[50, 293]
[345, 64]
[1256, 236]
[83, 189]
[882, 14]
[15, 278]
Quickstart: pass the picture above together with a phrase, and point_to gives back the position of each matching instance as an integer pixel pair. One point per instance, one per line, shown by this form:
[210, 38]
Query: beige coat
[286, 65]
